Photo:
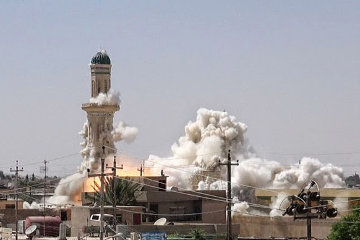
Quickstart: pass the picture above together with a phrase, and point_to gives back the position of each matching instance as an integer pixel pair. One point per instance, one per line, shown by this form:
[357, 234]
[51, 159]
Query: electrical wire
[217, 179]
[171, 214]
[183, 193]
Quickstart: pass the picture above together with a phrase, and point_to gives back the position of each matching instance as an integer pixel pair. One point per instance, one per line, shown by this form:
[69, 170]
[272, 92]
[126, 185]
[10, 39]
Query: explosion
[207, 140]
[69, 189]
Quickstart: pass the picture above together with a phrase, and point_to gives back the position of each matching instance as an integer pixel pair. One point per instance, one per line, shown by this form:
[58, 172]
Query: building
[100, 115]
[175, 205]
[80, 216]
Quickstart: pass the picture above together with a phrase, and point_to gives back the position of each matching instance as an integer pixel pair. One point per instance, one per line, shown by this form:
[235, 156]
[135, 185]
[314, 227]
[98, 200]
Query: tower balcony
[96, 108]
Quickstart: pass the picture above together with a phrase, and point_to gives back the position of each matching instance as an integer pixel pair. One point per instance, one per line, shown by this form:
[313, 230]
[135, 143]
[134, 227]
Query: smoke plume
[124, 132]
[112, 97]
[69, 189]
[194, 162]
[195, 156]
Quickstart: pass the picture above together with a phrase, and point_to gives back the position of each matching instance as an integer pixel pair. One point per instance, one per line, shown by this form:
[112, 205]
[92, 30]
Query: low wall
[212, 229]
[264, 227]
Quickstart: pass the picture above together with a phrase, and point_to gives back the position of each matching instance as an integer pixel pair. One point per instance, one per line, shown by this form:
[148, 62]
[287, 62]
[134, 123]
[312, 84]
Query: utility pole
[45, 169]
[114, 168]
[141, 170]
[101, 175]
[228, 193]
[16, 171]
[301, 207]
[308, 219]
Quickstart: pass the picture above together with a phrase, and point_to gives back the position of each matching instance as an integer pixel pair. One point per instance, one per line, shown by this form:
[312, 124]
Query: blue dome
[101, 57]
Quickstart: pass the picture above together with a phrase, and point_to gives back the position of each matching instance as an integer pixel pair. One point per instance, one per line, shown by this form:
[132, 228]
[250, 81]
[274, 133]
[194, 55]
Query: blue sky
[288, 69]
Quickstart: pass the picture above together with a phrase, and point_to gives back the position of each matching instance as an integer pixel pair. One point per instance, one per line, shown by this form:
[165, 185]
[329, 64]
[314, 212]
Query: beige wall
[4, 202]
[81, 214]
[213, 206]
[189, 201]
[214, 229]
[282, 227]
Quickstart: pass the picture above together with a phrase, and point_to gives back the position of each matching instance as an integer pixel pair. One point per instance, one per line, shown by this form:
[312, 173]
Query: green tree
[125, 191]
[348, 228]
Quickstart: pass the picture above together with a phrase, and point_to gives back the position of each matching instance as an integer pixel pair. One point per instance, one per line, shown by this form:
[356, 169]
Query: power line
[219, 179]
[171, 214]
[183, 193]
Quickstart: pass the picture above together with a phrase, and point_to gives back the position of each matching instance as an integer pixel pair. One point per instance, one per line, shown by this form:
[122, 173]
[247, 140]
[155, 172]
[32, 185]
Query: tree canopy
[348, 228]
[125, 191]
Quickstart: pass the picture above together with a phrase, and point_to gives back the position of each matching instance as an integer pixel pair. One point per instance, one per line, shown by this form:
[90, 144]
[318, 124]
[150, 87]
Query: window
[93, 88]
[63, 216]
[162, 185]
[9, 205]
[154, 208]
[119, 218]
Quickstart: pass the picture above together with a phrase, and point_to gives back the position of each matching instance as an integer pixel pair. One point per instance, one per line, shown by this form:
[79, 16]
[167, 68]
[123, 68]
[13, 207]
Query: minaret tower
[100, 115]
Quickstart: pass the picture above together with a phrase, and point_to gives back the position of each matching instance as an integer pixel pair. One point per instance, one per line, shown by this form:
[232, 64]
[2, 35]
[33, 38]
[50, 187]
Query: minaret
[100, 115]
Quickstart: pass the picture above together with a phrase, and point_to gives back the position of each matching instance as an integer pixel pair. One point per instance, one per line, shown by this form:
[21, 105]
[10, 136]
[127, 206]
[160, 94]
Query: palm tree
[125, 191]
[198, 234]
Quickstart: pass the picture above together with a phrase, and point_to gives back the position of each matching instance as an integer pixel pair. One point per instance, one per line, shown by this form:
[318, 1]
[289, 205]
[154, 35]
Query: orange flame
[128, 172]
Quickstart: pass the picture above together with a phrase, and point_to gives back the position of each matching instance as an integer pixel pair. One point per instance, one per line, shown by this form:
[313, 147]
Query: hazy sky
[290, 70]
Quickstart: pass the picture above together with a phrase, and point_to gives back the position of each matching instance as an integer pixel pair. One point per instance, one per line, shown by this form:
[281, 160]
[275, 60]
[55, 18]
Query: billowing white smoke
[240, 208]
[243, 207]
[270, 174]
[33, 205]
[124, 132]
[71, 187]
[277, 203]
[196, 154]
[112, 97]
[207, 140]
[341, 205]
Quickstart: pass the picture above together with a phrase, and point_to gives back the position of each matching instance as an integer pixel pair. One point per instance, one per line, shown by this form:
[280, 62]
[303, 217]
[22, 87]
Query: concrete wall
[216, 229]
[251, 226]
[168, 201]
[6, 204]
[80, 216]
[213, 206]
